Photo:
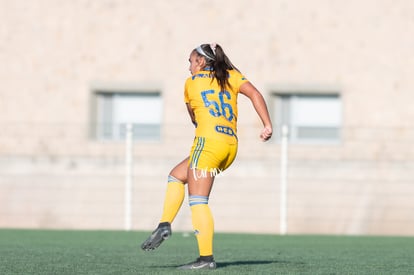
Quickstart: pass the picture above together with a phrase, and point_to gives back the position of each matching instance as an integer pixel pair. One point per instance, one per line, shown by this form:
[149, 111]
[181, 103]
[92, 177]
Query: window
[114, 110]
[310, 117]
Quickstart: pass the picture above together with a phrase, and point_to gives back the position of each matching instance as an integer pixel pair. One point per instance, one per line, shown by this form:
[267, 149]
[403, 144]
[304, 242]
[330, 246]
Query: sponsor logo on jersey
[225, 130]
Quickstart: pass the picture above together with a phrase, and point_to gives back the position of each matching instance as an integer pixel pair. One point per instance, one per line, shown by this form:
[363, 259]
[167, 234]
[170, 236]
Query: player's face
[196, 63]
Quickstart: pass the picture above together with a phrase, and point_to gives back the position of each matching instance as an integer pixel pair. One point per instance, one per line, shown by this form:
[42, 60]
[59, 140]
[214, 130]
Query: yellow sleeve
[186, 99]
[239, 79]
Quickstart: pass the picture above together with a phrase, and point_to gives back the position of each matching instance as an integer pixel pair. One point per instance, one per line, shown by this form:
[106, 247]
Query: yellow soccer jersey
[215, 111]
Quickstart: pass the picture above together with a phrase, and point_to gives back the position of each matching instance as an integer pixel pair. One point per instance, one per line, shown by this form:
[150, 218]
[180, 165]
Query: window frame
[113, 90]
[281, 116]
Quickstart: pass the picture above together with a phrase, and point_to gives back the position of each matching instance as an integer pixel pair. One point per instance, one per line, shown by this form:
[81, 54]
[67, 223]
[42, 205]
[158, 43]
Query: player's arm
[260, 106]
[191, 113]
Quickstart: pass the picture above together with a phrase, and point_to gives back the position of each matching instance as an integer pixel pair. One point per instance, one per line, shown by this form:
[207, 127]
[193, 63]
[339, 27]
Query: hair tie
[213, 48]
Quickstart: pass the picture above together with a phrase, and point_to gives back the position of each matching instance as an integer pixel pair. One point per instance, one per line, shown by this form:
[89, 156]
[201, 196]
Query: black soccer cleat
[160, 234]
[199, 264]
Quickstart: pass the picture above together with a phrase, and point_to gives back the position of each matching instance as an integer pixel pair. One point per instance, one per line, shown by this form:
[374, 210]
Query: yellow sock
[203, 224]
[173, 199]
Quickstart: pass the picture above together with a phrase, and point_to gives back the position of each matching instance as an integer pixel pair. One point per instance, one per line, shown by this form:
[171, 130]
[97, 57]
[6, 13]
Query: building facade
[337, 73]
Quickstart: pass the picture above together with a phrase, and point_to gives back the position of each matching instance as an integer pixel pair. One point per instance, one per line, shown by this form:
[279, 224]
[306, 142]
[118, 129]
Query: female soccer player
[211, 98]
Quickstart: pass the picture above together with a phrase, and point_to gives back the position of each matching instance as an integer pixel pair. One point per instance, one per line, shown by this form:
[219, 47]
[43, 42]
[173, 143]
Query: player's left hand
[266, 133]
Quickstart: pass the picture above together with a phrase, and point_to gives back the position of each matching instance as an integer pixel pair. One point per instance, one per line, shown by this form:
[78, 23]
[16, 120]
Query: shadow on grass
[235, 263]
[238, 263]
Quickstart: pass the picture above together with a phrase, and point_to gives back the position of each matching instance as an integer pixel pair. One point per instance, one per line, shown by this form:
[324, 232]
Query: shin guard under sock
[173, 199]
[203, 224]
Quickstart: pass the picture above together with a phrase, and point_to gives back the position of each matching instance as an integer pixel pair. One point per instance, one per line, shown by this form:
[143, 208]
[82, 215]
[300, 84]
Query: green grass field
[117, 252]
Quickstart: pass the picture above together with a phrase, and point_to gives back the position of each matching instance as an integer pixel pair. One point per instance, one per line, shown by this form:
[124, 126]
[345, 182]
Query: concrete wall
[54, 54]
